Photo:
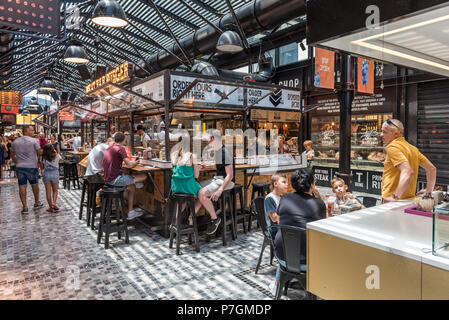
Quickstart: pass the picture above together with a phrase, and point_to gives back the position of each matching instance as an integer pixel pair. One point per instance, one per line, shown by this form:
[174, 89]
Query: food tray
[414, 210]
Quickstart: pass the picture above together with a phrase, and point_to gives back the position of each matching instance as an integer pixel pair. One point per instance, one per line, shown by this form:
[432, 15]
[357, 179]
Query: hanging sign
[67, 116]
[9, 108]
[119, 74]
[210, 94]
[324, 69]
[259, 115]
[365, 76]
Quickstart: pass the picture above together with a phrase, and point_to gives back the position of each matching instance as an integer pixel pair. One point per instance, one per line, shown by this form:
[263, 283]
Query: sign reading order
[117, 75]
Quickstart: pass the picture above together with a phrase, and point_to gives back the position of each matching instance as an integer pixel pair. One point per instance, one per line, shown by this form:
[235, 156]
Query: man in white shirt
[161, 134]
[76, 142]
[94, 168]
[144, 138]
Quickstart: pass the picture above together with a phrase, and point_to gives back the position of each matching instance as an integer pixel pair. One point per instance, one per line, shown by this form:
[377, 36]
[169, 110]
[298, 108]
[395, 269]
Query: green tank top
[183, 180]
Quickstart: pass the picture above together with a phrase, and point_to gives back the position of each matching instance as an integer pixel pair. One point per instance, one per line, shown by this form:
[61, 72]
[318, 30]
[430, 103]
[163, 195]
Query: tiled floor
[56, 256]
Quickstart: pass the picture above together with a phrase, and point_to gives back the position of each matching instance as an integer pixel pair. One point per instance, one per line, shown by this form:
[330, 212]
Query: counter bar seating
[240, 214]
[177, 228]
[70, 175]
[110, 195]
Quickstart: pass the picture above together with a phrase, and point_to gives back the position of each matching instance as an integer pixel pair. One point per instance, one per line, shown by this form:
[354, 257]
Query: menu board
[66, 116]
[257, 114]
[10, 97]
[9, 108]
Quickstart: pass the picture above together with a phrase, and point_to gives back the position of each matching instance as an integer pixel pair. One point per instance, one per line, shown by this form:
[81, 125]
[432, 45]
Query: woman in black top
[297, 209]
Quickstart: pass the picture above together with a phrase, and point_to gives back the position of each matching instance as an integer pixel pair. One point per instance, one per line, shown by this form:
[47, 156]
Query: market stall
[198, 103]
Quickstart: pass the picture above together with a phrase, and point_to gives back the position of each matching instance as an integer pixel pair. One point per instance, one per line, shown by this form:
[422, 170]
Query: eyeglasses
[393, 124]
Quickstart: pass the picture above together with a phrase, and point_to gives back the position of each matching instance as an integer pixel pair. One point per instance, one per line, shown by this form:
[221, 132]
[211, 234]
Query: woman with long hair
[50, 177]
[185, 171]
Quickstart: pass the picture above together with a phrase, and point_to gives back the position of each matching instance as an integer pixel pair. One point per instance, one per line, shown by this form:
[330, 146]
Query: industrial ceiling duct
[258, 16]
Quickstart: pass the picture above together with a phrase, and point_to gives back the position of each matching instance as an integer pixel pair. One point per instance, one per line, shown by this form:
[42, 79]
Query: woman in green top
[185, 172]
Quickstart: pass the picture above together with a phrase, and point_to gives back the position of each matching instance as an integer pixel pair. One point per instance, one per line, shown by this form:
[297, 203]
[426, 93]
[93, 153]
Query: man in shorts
[213, 188]
[113, 159]
[25, 152]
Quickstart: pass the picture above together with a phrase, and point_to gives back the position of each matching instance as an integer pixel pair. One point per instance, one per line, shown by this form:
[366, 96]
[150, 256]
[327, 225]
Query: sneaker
[139, 185]
[24, 210]
[50, 210]
[38, 205]
[213, 226]
[133, 214]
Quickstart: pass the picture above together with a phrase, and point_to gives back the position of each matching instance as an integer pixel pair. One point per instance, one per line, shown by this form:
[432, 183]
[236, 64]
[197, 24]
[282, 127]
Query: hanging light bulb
[76, 53]
[109, 13]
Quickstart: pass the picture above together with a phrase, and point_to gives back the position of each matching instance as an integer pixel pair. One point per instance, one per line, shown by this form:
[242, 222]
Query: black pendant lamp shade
[47, 85]
[230, 42]
[109, 13]
[76, 53]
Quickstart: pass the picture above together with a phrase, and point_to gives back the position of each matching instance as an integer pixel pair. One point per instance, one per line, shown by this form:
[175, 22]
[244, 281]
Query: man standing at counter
[144, 137]
[401, 165]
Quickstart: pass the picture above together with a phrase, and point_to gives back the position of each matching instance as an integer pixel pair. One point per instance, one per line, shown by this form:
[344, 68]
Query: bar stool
[92, 208]
[111, 195]
[239, 214]
[84, 203]
[70, 175]
[262, 189]
[177, 228]
[226, 198]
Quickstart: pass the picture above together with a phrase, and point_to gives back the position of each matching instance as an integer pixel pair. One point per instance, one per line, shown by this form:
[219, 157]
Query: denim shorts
[25, 175]
[50, 176]
[121, 181]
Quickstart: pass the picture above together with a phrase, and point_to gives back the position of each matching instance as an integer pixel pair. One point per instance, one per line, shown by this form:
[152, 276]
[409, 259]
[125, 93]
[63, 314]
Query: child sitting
[343, 197]
[280, 187]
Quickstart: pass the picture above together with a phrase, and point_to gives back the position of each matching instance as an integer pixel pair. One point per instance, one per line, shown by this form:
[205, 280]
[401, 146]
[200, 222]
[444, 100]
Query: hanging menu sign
[66, 116]
[119, 74]
[324, 68]
[365, 76]
[209, 94]
[259, 115]
[9, 108]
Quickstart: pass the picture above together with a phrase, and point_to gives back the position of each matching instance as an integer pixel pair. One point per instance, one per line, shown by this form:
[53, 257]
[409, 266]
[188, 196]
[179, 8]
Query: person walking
[25, 152]
[50, 176]
[401, 165]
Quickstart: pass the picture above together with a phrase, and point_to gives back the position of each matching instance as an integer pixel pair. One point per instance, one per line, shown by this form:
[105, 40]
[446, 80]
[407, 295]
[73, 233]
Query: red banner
[66, 116]
[365, 76]
[9, 108]
[324, 68]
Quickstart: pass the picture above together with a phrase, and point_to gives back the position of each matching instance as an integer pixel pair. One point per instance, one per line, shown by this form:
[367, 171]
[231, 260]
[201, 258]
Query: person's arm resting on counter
[431, 176]
[129, 163]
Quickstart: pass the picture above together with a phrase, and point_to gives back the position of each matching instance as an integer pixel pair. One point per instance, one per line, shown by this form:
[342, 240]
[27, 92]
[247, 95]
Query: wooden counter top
[79, 153]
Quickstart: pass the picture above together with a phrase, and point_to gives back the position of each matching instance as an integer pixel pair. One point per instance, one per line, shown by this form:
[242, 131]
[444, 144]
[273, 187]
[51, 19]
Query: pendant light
[109, 13]
[230, 42]
[47, 85]
[76, 53]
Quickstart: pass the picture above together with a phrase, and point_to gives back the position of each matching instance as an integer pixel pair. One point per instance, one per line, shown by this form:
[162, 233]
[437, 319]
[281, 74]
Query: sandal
[55, 208]
[50, 210]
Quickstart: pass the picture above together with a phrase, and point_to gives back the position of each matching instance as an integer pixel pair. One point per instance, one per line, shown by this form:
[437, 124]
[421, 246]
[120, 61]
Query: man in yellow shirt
[401, 165]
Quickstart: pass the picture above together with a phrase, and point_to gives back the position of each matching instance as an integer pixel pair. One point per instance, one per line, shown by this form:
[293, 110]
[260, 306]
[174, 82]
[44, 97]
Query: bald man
[401, 165]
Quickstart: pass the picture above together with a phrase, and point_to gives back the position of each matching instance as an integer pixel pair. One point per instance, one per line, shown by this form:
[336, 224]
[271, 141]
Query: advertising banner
[10, 97]
[324, 68]
[365, 76]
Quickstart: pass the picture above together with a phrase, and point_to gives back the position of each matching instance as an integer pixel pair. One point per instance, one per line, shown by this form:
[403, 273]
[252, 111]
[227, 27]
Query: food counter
[375, 253]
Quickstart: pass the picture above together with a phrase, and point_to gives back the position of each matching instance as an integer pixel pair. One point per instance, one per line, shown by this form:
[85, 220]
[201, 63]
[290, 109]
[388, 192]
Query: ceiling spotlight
[109, 13]
[303, 47]
[76, 53]
[47, 85]
[230, 42]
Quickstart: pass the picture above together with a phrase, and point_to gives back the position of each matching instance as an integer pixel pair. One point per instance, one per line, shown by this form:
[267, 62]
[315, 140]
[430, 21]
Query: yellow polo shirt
[399, 151]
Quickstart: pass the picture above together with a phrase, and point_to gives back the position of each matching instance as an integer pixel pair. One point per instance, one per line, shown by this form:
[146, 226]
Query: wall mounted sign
[208, 94]
[8, 119]
[10, 97]
[365, 75]
[9, 108]
[34, 15]
[324, 69]
[119, 74]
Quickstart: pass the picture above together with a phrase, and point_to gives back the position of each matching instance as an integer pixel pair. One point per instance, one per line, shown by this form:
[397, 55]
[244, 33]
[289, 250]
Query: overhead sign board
[210, 94]
[119, 74]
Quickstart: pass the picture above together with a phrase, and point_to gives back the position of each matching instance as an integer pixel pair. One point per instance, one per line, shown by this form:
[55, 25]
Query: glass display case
[440, 239]
[367, 150]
